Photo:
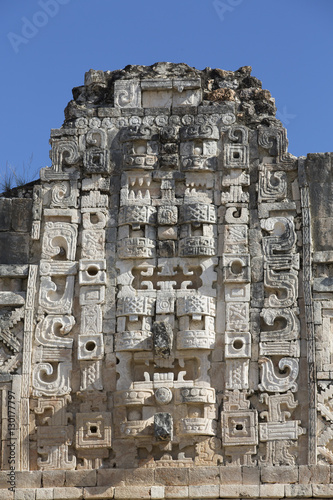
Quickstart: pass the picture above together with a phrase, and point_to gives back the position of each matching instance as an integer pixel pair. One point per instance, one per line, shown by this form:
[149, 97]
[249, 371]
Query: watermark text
[30, 27]
[11, 411]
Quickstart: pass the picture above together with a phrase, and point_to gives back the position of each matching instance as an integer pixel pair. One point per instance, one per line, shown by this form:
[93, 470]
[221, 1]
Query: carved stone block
[239, 428]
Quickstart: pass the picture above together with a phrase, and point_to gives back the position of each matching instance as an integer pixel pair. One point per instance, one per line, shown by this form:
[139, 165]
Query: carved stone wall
[167, 299]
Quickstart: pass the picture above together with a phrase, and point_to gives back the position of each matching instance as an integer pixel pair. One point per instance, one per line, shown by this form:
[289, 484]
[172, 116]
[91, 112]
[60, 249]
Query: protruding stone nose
[162, 338]
[163, 426]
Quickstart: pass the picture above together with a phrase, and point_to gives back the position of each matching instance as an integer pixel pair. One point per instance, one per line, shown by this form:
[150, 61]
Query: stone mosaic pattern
[167, 298]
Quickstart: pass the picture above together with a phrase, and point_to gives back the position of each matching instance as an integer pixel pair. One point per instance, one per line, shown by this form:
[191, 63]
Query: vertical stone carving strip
[26, 367]
[307, 277]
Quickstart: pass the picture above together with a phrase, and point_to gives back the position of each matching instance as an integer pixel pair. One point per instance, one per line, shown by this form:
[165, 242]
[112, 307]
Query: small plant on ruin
[11, 177]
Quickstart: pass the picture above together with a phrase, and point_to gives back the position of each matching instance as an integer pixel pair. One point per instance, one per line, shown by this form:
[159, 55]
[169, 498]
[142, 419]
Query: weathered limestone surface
[167, 299]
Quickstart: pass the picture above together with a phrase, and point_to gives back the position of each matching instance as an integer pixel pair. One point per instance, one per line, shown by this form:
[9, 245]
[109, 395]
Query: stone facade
[167, 299]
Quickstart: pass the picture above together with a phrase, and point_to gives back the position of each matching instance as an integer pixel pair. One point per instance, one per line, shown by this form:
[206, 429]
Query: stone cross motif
[167, 293]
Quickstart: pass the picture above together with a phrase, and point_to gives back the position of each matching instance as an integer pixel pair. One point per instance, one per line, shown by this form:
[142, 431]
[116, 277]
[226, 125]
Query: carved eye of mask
[140, 149]
[197, 150]
[163, 395]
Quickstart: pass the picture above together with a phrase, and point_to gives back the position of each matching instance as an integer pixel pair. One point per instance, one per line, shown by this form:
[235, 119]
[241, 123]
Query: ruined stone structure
[167, 299]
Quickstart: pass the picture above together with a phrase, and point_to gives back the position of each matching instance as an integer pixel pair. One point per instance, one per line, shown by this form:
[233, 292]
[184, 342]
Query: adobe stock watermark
[285, 117]
[222, 7]
[30, 27]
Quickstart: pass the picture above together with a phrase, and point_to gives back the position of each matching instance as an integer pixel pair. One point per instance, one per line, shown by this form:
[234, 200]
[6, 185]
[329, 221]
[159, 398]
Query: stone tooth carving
[47, 331]
[59, 241]
[136, 189]
[236, 177]
[94, 200]
[49, 380]
[271, 382]
[235, 194]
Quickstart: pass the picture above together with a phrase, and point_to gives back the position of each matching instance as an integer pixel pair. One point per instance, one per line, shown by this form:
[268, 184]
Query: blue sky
[48, 45]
